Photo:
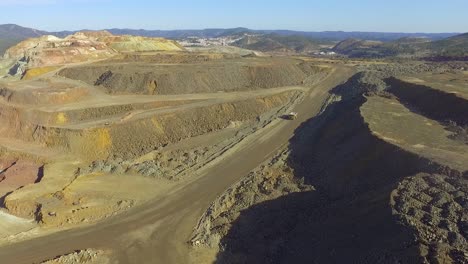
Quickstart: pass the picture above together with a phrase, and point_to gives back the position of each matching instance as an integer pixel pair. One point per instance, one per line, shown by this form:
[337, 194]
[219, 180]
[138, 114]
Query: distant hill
[376, 36]
[22, 32]
[357, 47]
[455, 47]
[13, 31]
[11, 34]
[277, 43]
[328, 35]
[180, 34]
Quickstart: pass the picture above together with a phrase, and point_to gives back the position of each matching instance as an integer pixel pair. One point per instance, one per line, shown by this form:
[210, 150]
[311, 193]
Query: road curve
[158, 231]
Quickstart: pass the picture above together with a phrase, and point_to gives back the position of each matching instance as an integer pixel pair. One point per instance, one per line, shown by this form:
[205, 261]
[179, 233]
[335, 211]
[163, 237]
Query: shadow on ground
[432, 103]
[348, 218]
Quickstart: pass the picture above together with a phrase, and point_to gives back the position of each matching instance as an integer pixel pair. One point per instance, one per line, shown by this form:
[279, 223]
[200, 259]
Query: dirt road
[157, 231]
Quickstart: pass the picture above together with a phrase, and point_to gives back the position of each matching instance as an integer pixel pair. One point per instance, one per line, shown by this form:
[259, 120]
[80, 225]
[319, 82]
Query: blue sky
[357, 15]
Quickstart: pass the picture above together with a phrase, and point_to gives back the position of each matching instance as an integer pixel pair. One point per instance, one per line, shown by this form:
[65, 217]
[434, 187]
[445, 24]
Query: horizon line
[239, 27]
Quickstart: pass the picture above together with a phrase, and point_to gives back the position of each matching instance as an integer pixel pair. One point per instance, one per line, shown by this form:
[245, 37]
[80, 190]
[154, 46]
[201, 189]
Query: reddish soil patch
[15, 174]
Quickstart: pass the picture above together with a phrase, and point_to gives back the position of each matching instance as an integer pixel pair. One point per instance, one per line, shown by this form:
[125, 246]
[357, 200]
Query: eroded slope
[349, 188]
[227, 76]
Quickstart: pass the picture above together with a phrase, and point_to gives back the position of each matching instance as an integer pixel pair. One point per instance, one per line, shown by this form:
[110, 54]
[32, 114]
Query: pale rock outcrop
[80, 47]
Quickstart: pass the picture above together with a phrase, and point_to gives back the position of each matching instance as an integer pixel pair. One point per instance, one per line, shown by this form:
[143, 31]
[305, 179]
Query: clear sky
[308, 15]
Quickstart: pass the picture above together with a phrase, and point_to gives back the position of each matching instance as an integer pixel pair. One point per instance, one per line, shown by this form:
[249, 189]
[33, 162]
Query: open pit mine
[123, 149]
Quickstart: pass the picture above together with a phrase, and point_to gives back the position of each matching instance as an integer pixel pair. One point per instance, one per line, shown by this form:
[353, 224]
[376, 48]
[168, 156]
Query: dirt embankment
[21, 123]
[180, 160]
[334, 197]
[16, 123]
[18, 114]
[449, 109]
[87, 256]
[169, 58]
[16, 173]
[46, 93]
[432, 103]
[231, 75]
[94, 113]
[134, 138]
[74, 193]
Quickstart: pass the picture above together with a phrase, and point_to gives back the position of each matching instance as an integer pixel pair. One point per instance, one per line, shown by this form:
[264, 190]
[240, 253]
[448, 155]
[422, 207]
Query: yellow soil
[35, 72]
[61, 119]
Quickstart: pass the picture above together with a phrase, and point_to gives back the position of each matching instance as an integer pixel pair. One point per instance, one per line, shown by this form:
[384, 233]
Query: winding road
[158, 231]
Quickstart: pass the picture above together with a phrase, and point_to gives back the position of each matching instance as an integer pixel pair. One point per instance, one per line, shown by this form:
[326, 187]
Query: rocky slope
[136, 137]
[344, 191]
[50, 50]
[88, 256]
[139, 44]
[80, 47]
[239, 74]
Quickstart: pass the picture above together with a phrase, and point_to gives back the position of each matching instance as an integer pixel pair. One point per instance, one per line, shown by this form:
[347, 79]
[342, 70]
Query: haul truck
[291, 116]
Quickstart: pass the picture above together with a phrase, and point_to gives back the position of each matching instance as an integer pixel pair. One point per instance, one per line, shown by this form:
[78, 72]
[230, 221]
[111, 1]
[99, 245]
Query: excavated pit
[62, 114]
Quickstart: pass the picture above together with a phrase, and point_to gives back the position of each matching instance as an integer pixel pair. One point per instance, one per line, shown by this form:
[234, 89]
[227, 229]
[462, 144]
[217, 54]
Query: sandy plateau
[120, 149]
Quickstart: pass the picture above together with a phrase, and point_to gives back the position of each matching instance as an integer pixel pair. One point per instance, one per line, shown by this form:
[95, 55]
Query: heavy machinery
[291, 116]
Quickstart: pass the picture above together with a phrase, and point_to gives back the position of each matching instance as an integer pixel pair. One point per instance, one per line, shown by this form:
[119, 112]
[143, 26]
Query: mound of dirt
[341, 194]
[435, 207]
[410, 68]
[42, 92]
[232, 75]
[366, 82]
[139, 44]
[87, 256]
[167, 165]
[269, 181]
[433, 103]
[170, 57]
